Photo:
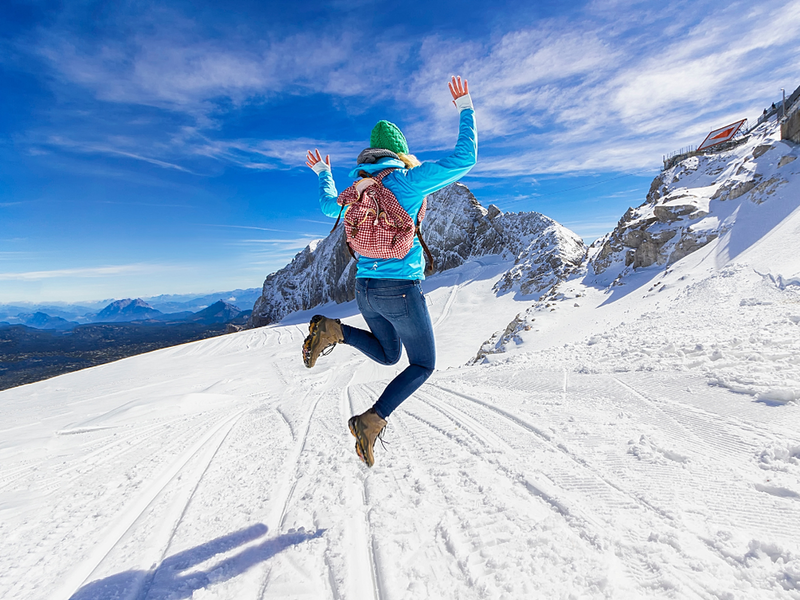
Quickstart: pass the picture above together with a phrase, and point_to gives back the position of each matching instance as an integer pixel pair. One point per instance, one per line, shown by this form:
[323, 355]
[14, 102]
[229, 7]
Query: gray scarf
[370, 156]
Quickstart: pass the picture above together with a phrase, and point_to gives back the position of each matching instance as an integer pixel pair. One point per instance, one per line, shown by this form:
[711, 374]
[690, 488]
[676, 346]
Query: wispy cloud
[271, 154]
[95, 148]
[16, 255]
[172, 63]
[277, 245]
[304, 234]
[82, 272]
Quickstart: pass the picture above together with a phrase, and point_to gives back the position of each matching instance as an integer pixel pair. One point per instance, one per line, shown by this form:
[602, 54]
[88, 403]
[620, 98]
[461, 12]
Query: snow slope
[729, 310]
[224, 469]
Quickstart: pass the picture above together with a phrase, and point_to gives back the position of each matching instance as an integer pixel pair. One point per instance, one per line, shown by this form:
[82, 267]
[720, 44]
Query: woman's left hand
[456, 89]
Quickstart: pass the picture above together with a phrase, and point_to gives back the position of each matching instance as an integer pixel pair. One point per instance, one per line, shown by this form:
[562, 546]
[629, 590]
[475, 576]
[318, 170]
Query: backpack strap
[335, 225]
[429, 263]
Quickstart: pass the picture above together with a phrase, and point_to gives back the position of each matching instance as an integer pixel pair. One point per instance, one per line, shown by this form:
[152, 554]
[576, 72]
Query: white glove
[463, 103]
[321, 166]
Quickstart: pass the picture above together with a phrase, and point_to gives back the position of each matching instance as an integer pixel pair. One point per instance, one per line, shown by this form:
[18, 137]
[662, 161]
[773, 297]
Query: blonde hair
[409, 160]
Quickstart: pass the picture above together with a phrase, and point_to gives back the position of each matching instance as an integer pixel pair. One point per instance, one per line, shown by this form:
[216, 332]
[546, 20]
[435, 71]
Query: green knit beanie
[388, 136]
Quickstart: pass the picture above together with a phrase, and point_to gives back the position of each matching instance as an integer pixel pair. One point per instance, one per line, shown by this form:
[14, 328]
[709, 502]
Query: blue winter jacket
[410, 186]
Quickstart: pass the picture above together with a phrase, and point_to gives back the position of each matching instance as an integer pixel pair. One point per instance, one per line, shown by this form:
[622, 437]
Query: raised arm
[327, 187]
[432, 176]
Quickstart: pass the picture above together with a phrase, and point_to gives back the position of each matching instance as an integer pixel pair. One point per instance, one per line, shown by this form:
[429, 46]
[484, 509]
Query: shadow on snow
[173, 578]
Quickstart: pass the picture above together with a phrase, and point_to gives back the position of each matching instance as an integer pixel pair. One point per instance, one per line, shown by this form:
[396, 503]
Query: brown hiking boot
[323, 333]
[366, 428]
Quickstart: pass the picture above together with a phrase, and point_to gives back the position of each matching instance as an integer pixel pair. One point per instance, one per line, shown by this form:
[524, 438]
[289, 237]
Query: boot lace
[380, 438]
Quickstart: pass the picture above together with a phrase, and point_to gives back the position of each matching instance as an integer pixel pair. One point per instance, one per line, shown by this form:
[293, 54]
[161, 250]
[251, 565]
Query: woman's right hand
[312, 158]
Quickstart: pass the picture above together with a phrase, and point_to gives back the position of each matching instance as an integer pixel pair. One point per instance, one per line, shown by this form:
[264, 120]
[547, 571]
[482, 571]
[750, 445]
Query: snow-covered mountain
[697, 201]
[704, 275]
[456, 229]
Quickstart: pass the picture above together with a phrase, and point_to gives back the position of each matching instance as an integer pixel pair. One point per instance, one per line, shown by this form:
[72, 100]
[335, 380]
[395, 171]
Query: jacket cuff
[320, 167]
[463, 103]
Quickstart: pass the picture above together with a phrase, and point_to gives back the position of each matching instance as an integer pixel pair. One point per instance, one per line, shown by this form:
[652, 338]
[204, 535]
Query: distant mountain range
[243, 299]
[220, 307]
[38, 345]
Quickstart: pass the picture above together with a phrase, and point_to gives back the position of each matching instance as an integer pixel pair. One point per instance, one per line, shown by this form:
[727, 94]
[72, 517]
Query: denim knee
[426, 372]
[394, 359]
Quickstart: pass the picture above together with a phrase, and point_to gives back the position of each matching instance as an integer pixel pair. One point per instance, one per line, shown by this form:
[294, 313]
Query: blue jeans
[397, 316]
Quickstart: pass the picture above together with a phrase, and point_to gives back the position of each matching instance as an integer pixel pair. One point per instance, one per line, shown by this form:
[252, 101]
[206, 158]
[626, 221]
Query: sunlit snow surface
[634, 441]
[224, 469]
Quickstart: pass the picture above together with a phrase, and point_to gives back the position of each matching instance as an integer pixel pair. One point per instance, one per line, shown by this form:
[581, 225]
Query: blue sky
[158, 147]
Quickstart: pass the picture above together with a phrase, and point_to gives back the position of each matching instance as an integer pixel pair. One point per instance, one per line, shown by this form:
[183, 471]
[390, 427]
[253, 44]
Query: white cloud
[274, 154]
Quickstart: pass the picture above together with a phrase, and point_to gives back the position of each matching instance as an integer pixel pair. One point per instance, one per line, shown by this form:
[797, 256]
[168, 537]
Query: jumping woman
[388, 290]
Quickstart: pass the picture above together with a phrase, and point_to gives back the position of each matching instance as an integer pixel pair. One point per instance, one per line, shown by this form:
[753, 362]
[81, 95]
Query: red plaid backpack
[375, 223]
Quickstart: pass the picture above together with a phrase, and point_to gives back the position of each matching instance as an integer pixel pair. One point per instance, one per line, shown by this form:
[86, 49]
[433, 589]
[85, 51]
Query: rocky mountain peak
[219, 312]
[127, 310]
[457, 228]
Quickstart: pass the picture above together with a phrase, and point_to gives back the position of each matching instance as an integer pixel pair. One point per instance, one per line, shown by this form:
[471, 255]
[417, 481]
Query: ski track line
[369, 538]
[574, 517]
[284, 495]
[107, 456]
[47, 485]
[106, 396]
[705, 417]
[524, 424]
[450, 301]
[377, 581]
[584, 526]
[344, 403]
[569, 510]
[139, 436]
[730, 447]
[134, 510]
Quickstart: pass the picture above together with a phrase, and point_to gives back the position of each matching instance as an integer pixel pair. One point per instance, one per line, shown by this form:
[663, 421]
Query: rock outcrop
[685, 207]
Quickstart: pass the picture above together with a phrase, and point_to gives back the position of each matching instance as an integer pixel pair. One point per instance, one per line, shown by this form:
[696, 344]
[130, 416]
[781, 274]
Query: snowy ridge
[456, 229]
[704, 276]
